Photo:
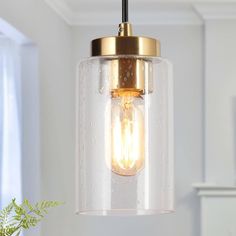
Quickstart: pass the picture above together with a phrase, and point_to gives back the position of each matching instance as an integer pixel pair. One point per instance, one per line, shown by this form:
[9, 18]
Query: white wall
[183, 46]
[220, 105]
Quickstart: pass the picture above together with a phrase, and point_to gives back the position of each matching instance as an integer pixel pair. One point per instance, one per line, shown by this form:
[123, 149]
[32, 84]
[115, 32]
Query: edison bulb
[126, 134]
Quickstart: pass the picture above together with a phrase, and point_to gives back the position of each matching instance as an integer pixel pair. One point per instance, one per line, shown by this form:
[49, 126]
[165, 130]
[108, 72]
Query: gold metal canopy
[125, 44]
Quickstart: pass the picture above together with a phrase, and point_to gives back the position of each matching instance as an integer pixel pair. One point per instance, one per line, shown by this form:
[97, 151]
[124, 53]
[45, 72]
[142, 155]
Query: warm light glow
[126, 134]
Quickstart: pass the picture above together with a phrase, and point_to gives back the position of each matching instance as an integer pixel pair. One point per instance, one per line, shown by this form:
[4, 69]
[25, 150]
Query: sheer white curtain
[10, 122]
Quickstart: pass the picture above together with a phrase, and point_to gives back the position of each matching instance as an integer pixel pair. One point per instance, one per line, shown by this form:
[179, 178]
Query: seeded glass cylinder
[125, 136]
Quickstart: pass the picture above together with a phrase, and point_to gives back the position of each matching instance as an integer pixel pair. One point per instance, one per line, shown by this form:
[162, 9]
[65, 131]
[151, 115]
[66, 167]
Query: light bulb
[127, 133]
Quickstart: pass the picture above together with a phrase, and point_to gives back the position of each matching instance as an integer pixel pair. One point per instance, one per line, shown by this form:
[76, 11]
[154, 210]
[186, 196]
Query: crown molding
[62, 9]
[214, 11]
[158, 13]
[161, 12]
[169, 18]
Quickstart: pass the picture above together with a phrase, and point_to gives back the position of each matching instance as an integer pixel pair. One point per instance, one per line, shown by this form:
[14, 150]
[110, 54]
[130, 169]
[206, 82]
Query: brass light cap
[132, 75]
[125, 44]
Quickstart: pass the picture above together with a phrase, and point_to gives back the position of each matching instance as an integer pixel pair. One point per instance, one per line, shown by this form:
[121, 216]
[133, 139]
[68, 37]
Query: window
[10, 122]
[19, 118]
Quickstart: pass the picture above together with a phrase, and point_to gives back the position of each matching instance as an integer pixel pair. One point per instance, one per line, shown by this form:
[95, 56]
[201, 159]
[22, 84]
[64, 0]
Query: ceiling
[86, 12]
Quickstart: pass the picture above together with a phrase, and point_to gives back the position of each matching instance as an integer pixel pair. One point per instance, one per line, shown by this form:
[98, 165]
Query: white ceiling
[86, 12]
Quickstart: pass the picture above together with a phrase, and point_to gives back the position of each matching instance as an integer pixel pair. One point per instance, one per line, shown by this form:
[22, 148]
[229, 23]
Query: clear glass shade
[125, 136]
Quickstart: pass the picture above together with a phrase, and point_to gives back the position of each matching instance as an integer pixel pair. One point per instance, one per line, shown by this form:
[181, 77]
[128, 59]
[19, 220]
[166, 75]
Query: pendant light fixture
[125, 126]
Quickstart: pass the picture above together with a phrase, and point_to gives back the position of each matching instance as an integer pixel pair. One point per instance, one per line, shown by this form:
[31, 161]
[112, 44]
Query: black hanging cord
[125, 17]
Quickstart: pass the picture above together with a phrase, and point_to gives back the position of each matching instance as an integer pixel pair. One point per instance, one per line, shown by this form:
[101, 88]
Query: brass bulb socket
[131, 75]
